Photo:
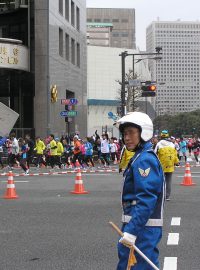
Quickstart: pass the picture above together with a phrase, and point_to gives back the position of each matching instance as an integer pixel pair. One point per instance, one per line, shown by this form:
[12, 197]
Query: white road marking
[195, 176]
[173, 239]
[170, 263]
[176, 221]
[16, 181]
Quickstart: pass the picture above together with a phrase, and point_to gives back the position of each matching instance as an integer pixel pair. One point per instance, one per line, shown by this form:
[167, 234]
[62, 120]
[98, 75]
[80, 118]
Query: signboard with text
[69, 101]
[14, 56]
[68, 113]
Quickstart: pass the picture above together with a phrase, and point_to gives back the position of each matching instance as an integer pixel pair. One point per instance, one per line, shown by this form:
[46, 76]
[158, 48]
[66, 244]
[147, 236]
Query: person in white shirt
[105, 150]
[113, 150]
[14, 150]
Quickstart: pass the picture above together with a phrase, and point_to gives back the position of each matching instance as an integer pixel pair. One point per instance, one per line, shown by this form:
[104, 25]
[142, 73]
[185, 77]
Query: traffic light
[54, 94]
[148, 89]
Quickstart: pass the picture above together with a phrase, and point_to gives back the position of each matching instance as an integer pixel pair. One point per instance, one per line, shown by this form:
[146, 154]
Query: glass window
[73, 51]
[106, 20]
[67, 10]
[78, 55]
[72, 13]
[61, 7]
[115, 20]
[97, 20]
[77, 18]
[67, 47]
[124, 20]
[60, 42]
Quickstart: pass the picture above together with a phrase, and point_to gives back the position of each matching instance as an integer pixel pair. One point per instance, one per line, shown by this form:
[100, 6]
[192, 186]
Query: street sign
[68, 113]
[110, 114]
[135, 82]
[69, 101]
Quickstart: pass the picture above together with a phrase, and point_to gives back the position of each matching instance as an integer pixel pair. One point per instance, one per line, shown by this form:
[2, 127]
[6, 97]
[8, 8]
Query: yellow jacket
[125, 158]
[167, 155]
[39, 147]
[53, 148]
[60, 149]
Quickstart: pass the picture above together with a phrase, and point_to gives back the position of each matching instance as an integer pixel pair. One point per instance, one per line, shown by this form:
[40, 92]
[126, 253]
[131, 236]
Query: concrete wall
[62, 72]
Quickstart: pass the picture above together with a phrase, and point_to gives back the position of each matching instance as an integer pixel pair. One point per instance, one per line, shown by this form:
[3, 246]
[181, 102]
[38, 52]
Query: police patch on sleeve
[144, 173]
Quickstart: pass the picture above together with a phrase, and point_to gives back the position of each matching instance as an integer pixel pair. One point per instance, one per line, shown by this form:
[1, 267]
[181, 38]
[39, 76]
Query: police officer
[142, 193]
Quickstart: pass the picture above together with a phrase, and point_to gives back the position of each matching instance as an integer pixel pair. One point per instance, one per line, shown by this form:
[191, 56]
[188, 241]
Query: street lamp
[157, 56]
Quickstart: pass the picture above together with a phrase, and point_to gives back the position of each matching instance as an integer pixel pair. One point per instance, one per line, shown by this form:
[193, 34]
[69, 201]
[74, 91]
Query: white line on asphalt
[173, 239]
[176, 221]
[16, 181]
[170, 263]
[195, 176]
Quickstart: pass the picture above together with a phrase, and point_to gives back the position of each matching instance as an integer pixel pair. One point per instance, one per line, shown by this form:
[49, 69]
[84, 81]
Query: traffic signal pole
[123, 85]
[157, 54]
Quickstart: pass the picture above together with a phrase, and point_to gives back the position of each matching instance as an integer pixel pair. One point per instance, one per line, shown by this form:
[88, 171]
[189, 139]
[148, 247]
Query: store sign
[13, 56]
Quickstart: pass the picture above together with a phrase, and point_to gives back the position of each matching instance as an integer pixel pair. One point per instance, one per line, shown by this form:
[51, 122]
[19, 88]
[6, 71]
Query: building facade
[104, 75]
[121, 22]
[179, 69]
[55, 34]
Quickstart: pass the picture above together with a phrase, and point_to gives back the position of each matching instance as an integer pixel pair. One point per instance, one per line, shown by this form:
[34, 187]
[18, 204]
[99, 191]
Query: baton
[137, 249]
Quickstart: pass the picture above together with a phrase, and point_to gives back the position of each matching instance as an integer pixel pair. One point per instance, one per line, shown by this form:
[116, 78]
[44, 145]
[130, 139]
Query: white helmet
[142, 120]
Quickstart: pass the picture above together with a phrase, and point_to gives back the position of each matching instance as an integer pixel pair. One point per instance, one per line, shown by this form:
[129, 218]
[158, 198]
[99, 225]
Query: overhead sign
[135, 82]
[70, 101]
[8, 119]
[68, 113]
[13, 56]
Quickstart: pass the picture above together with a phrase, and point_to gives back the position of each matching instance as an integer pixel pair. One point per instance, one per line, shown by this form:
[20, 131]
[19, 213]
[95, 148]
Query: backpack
[167, 156]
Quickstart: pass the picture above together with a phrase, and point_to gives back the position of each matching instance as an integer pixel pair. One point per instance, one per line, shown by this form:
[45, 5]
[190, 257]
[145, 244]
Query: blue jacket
[2, 141]
[143, 191]
[88, 149]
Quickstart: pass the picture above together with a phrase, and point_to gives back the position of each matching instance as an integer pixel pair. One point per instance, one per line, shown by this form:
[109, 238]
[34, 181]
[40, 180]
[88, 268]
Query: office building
[54, 34]
[111, 27]
[178, 71]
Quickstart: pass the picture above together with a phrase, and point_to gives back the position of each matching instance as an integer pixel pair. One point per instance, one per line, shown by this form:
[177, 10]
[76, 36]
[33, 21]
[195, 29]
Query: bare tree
[133, 93]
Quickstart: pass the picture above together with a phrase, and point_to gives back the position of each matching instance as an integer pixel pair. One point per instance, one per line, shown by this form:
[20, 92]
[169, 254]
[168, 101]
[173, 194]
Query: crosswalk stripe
[176, 221]
[173, 239]
[170, 263]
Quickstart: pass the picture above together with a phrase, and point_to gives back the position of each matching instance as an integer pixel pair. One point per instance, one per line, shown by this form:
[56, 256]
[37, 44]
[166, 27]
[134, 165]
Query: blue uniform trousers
[147, 241]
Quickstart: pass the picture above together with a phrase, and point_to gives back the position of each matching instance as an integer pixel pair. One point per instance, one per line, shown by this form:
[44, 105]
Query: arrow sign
[68, 113]
[70, 101]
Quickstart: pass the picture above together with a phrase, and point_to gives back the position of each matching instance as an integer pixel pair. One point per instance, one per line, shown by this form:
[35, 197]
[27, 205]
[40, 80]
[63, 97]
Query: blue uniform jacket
[143, 191]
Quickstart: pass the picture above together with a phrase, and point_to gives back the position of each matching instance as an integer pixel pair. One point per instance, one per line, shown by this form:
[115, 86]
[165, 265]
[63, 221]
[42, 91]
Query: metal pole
[47, 75]
[123, 101]
[146, 105]
[133, 65]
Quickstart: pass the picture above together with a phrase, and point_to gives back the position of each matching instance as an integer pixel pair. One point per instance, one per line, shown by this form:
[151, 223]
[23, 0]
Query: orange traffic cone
[11, 191]
[187, 180]
[77, 164]
[79, 187]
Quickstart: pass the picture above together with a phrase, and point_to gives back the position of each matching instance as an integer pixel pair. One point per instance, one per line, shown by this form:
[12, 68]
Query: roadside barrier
[79, 187]
[10, 191]
[187, 180]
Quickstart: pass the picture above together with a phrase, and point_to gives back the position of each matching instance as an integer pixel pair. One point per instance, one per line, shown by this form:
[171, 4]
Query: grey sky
[149, 10]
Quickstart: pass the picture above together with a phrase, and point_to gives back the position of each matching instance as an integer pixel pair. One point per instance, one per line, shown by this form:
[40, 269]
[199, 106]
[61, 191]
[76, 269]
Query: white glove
[128, 239]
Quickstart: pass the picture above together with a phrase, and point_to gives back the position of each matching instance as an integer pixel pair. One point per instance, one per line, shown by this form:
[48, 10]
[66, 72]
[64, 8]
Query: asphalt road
[48, 228]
